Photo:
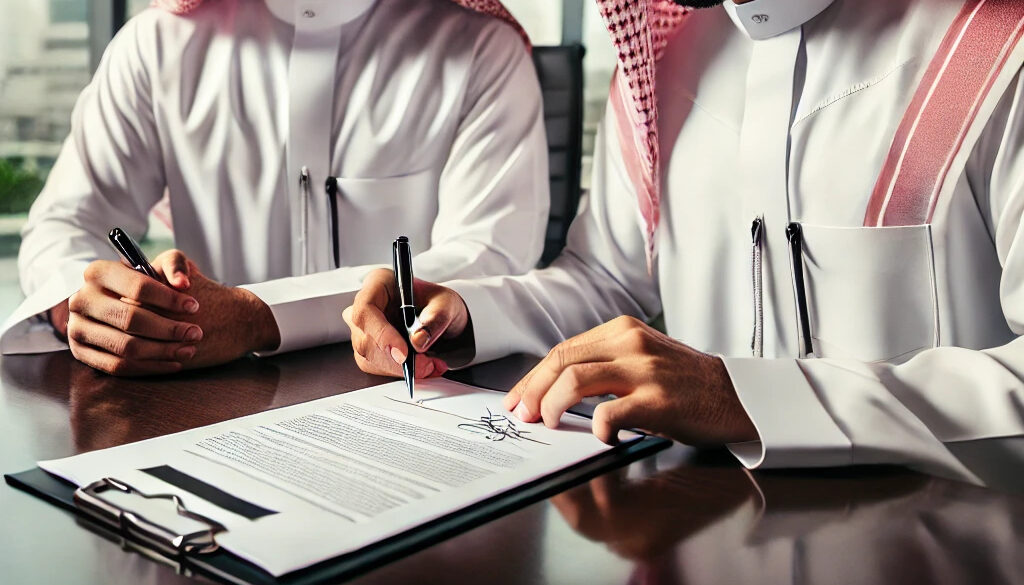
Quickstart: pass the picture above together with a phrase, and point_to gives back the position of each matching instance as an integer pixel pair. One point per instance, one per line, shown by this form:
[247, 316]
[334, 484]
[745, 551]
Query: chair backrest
[560, 71]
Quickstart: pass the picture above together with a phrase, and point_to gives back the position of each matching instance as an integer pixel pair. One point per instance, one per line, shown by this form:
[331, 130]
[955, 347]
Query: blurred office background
[49, 49]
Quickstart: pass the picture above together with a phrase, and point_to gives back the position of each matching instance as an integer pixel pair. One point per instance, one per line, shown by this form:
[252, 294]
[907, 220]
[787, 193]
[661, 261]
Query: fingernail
[510, 401]
[522, 413]
[430, 369]
[185, 353]
[191, 305]
[193, 334]
[397, 355]
[420, 338]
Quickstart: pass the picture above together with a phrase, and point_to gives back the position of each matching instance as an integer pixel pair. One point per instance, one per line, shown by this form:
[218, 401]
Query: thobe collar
[316, 14]
[763, 19]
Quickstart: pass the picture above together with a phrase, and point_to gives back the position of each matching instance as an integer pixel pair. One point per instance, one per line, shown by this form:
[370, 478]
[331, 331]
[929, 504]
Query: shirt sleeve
[950, 411]
[601, 274]
[493, 199]
[108, 173]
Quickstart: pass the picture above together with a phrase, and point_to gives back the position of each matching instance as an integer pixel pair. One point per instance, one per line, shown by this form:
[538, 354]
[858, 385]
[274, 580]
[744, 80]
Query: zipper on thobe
[757, 339]
[796, 244]
[304, 216]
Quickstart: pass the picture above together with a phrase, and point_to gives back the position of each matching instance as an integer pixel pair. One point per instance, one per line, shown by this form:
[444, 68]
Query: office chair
[560, 71]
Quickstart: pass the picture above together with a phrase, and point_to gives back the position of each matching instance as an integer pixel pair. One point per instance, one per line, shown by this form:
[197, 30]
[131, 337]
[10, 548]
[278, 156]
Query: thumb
[613, 416]
[443, 316]
[176, 267]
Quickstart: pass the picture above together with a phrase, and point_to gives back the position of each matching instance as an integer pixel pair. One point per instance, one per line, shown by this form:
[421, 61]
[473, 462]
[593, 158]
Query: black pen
[332, 202]
[402, 254]
[130, 251]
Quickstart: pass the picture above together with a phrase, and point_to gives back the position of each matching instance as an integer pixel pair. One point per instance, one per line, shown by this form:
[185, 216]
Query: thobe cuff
[487, 317]
[22, 334]
[303, 322]
[794, 427]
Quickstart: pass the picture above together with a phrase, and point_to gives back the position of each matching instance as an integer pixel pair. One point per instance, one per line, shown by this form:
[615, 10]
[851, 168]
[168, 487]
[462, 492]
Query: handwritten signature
[497, 427]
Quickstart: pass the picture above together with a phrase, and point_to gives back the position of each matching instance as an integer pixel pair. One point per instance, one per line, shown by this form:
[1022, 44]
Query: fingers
[173, 265]
[576, 382]
[379, 345]
[603, 343]
[120, 366]
[622, 413]
[588, 347]
[129, 318]
[129, 284]
[119, 344]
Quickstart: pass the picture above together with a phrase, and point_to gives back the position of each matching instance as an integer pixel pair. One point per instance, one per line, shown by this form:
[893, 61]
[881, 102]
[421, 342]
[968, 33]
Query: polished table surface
[682, 516]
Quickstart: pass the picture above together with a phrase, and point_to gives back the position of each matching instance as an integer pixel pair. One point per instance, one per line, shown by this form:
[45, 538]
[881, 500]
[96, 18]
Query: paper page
[339, 473]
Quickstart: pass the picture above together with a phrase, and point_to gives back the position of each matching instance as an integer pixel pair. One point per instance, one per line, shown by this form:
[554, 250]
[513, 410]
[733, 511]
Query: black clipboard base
[226, 567]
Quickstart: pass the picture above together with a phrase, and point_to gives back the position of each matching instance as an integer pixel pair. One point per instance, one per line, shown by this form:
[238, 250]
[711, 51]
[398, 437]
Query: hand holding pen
[141, 319]
[382, 342]
[127, 320]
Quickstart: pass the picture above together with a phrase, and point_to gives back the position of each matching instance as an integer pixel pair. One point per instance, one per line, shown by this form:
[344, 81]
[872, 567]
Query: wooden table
[680, 517]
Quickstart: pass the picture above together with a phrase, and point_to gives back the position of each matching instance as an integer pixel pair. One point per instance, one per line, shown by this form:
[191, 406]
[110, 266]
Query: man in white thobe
[786, 117]
[427, 114]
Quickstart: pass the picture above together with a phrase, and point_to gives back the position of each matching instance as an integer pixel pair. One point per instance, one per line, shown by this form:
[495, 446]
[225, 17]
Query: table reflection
[695, 524]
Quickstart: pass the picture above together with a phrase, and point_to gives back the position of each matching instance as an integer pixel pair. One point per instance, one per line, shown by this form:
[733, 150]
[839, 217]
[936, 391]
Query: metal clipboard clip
[131, 524]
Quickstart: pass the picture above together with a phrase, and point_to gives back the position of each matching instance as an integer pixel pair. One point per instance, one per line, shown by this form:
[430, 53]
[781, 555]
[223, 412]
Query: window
[542, 19]
[547, 22]
[44, 64]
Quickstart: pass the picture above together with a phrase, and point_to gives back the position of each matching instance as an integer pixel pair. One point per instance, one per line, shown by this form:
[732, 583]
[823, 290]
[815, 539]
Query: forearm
[533, 312]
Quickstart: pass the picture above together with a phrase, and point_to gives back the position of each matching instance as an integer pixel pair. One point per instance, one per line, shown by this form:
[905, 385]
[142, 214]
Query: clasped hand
[125, 323]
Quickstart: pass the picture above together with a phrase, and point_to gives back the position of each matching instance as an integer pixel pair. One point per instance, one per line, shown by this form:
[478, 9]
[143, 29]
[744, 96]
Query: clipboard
[216, 563]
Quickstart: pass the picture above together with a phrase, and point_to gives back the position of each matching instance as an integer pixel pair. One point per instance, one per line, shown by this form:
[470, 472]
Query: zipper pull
[796, 245]
[757, 338]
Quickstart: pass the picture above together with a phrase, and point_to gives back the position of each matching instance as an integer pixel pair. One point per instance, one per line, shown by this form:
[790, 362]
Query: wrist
[58, 317]
[739, 427]
[263, 333]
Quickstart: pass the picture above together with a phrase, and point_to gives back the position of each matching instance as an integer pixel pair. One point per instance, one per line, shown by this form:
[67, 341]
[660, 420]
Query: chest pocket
[379, 210]
[871, 293]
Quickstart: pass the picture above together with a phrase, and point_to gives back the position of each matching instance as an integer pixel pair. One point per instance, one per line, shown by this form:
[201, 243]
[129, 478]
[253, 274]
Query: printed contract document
[317, 480]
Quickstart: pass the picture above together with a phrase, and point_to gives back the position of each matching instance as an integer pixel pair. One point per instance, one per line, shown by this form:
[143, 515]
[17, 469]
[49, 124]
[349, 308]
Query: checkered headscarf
[639, 29]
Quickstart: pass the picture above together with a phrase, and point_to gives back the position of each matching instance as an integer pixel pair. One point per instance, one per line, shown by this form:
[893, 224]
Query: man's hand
[234, 321]
[125, 323]
[664, 387]
[379, 347]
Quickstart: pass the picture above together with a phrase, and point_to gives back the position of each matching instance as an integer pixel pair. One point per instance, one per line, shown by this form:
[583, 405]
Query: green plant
[18, 187]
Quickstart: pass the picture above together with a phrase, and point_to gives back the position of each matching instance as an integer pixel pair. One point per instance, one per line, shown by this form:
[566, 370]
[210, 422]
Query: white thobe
[428, 114]
[916, 329]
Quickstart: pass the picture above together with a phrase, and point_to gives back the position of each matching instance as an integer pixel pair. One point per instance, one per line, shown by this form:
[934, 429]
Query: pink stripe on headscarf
[640, 29]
